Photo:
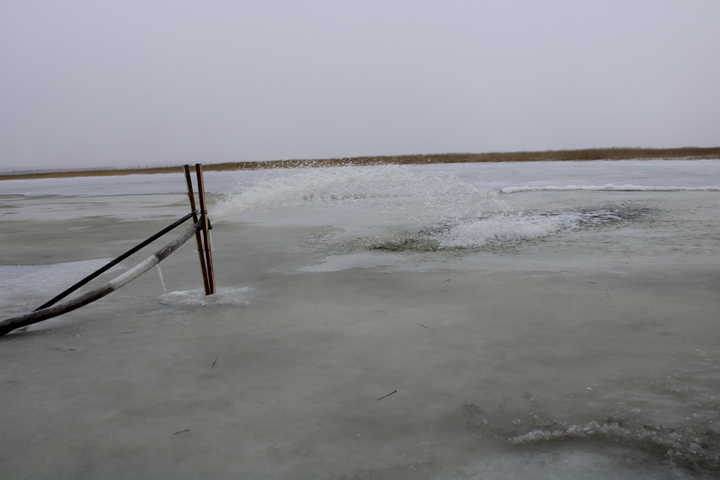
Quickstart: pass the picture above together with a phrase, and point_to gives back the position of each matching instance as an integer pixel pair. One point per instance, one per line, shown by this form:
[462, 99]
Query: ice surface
[642, 173]
[544, 334]
[494, 176]
[568, 464]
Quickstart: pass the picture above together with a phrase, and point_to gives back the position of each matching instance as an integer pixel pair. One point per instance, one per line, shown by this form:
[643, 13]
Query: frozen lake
[534, 320]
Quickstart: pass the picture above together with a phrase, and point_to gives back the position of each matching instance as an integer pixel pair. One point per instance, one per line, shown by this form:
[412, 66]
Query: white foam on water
[505, 228]
[513, 228]
[196, 298]
[502, 230]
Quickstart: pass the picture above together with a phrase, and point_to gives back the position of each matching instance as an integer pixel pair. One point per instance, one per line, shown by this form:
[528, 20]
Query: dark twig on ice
[394, 391]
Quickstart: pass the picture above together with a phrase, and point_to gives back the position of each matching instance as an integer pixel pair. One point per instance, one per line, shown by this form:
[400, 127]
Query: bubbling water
[505, 228]
[162, 280]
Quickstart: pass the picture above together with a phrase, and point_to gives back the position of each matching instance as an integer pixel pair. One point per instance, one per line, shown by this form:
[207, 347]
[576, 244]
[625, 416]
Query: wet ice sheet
[299, 370]
[279, 377]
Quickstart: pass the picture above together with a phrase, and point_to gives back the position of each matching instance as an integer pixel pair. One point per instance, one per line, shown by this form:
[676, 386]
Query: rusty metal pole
[206, 228]
[198, 237]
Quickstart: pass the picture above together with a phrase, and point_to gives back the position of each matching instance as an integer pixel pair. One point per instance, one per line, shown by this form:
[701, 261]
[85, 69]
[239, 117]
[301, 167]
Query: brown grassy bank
[547, 155]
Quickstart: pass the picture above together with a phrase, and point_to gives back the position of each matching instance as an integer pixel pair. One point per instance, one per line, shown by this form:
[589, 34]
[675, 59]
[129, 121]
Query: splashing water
[400, 194]
[417, 211]
[505, 228]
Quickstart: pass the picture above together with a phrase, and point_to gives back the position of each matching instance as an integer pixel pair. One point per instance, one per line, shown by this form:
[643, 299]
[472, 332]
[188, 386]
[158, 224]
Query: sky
[166, 82]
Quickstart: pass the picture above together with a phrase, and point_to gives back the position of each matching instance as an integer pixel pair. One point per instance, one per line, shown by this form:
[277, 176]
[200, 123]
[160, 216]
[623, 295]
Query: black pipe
[115, 262]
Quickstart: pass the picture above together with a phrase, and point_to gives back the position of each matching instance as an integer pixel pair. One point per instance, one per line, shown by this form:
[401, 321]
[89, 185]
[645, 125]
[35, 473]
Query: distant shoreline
[689, 153]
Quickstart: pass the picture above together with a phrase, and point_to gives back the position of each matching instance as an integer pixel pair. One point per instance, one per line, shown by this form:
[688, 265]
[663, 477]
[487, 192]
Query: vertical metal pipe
[206, 230]
[198, 238]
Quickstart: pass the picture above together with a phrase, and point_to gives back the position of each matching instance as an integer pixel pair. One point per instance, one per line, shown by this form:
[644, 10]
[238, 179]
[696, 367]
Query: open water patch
[504, 229]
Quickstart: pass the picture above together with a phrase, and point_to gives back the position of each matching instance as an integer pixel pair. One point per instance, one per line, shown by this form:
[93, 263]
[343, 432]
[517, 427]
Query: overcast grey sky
[122, 83]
